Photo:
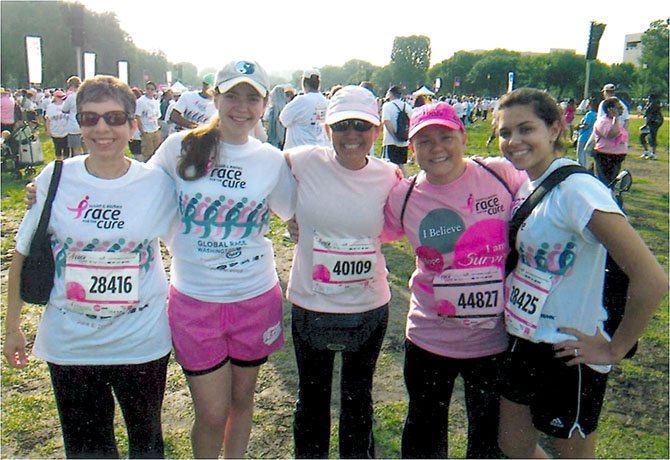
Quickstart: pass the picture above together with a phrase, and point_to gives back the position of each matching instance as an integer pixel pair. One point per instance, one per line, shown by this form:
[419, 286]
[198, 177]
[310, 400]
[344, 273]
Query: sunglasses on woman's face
[114, 118]
[357, 125]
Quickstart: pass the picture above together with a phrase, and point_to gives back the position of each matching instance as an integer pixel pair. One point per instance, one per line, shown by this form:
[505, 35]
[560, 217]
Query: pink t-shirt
[340, 212]
[7, 109]
[617, 145]
[458, 228]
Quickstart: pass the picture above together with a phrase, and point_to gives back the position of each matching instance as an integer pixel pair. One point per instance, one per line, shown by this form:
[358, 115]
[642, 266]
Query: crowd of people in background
[236, 149]
[169, 109]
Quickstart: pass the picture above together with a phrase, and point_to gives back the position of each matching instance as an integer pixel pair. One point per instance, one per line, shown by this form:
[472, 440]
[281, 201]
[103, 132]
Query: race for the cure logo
[105, 216]
[490, 205]
[230, 176]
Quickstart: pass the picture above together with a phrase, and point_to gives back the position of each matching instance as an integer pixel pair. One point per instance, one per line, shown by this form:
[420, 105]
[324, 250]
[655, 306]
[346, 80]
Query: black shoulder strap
[533, 200]
[41, 231]
[496, 175]
[404, 203]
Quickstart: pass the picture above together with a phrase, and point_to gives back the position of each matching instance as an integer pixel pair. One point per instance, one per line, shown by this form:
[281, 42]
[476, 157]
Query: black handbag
[37, 275]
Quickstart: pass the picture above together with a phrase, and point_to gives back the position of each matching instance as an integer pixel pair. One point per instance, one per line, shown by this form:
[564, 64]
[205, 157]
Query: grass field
[634, 423]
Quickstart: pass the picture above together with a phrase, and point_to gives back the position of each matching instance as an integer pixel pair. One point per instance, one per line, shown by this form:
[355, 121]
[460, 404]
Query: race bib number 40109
[341, 264]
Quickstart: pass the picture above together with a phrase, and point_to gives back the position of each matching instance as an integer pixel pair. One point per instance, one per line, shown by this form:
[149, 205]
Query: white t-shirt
[220, 252]
[555, 240]
[336, 204]
[124, 215]
[195, 108]
[390, 112]
[70, 107]
[57, 120]
[149, 111]
[304, 118]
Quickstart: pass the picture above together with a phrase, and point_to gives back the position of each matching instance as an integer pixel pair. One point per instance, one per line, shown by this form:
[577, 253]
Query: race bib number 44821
[102, 283]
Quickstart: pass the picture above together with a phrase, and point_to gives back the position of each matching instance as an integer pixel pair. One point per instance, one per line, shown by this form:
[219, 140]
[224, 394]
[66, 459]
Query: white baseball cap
[309, 73]
[353, 103]
[236, 72]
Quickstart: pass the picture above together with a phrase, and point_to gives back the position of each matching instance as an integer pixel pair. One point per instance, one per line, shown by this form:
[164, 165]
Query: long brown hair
[197, 148]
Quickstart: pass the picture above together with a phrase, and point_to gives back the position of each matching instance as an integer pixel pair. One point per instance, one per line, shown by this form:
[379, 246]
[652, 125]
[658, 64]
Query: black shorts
[396, 154]
[563, 400]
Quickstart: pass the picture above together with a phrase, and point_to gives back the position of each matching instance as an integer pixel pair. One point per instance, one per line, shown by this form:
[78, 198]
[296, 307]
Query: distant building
[632, 51]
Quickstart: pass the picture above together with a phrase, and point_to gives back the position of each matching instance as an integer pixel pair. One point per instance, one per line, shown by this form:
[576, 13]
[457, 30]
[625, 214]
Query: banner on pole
[89, 65]
[34, 59]
[123, 71]
[510, 81]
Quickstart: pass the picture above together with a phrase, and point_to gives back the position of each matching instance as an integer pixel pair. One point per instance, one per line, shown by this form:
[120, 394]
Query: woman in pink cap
[454, 214]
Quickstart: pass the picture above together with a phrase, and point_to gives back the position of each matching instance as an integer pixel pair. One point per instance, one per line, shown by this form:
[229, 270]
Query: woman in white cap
[304, 116]
[56, 124]
[454, 214]
[225, 303]
[338, 283]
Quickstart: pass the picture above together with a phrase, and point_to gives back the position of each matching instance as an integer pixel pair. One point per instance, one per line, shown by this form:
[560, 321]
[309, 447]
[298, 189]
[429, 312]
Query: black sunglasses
[357, 125]
[114, 118]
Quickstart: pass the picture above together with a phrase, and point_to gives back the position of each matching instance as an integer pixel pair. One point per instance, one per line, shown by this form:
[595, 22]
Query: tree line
[482, 73]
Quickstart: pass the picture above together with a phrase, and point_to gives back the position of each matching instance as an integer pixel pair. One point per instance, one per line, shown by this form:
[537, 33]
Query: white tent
[178, 88]
[423, 91]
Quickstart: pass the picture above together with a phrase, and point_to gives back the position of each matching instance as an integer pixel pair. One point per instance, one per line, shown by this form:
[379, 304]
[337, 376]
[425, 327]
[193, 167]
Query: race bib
[102, 283]
[340, 264]
[473, 296]
[527, 295]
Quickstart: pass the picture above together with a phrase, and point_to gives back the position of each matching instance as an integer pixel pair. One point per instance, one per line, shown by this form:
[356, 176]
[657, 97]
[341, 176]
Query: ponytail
[197, 149]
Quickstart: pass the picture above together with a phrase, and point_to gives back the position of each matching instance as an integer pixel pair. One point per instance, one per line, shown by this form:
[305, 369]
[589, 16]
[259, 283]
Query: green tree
[563, 72]
[489, 75]
[454, 70]
[46, 21]
[382, 79]
[531, 71]
[410, 60]
[654, 61]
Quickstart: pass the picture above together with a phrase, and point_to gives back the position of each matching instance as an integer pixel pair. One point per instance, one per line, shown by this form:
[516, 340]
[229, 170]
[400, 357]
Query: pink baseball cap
[440, 114]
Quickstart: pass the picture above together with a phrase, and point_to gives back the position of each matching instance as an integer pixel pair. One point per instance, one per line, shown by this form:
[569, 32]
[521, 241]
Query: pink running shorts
[207, 335]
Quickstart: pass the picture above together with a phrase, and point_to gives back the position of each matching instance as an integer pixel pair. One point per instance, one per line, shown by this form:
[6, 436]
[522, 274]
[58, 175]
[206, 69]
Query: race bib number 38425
[527, 295]
[102, 283]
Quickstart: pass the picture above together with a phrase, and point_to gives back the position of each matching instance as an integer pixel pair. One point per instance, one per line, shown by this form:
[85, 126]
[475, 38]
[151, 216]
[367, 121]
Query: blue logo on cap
[245, 68]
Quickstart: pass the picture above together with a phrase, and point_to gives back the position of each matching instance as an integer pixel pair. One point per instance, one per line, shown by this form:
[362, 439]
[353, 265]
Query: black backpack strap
[533, 200]
[496, 175]
[404, 203]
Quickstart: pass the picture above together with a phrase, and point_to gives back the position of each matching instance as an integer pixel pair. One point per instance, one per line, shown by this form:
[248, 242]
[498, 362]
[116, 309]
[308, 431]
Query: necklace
[111, 172]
